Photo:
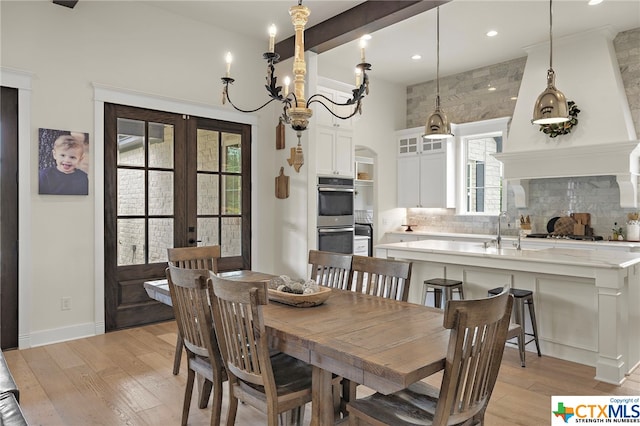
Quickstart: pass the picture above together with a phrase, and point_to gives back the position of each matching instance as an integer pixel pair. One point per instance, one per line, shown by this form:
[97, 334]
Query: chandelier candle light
[296, 111]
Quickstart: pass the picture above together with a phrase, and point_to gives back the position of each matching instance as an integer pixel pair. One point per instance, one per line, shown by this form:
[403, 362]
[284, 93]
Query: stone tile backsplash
[598, 195]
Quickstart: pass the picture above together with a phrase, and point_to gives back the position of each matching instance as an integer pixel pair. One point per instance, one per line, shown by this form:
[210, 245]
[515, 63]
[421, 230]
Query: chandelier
[296, 111]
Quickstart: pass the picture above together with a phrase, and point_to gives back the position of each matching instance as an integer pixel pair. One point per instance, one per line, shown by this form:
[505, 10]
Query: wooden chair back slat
[330, 269]
[204, 257]
[386, 278]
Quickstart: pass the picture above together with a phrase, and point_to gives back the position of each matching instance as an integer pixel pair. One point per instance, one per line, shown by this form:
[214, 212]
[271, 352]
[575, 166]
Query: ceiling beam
[67, 3]
[352, 24]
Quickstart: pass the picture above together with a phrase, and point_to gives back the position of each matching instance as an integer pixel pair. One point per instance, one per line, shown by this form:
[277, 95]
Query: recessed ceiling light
[416, 57]
[594, 2]
[366, 37]
[493, 33]
[513, 98]
[491, 88]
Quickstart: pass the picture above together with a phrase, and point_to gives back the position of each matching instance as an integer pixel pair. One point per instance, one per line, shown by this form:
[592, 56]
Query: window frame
[497, 127]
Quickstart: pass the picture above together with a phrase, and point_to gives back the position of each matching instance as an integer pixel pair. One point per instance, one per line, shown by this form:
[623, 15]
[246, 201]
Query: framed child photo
[63, 163]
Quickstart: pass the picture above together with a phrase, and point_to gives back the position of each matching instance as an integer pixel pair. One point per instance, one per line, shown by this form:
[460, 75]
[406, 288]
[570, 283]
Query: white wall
[146, 51]
[127, 45]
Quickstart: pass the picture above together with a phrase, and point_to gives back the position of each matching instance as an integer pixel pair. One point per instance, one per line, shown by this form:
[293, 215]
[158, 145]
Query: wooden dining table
[383, 344]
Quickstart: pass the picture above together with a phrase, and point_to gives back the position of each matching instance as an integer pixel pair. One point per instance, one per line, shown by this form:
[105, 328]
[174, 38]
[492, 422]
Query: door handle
[192, 241]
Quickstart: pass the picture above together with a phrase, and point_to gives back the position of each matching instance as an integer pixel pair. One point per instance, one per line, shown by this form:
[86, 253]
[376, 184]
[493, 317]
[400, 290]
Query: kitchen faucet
[499, 237]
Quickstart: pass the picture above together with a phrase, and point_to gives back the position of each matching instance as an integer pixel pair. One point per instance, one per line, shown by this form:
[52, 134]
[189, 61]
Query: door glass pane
[231, 153]
[131, 135]
[130, 242]
[160, 193]
[160, 145]
[207, 194]
[231, 239]
[207, 150]
[232, 194]
[208, 231]
[131, 186]
[160, 237]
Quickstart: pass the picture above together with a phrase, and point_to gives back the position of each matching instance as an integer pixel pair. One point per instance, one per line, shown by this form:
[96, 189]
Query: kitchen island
[587, 302]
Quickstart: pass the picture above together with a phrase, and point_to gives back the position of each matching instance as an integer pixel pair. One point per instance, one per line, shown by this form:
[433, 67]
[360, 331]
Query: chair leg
[178, 355]
[293, 417]
[204, 390]
[448, 295]
[521, 350]
[437, 297]
[188, 392]
[216, 404]
[532, 315]
[519, 314]
[461, 292]
[232, 409]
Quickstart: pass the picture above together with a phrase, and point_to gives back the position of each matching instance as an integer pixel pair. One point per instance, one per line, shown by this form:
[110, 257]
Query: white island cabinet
[587, 301]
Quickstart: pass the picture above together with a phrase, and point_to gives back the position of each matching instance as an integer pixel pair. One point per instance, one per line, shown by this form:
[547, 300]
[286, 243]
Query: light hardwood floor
[124, 378]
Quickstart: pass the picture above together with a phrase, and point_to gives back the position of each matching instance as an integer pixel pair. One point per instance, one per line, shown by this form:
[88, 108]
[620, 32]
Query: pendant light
[551, 106]
[437, 126]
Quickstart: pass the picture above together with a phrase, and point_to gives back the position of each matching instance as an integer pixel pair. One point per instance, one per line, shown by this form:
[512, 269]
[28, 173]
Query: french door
[9, 218]
[170, 181]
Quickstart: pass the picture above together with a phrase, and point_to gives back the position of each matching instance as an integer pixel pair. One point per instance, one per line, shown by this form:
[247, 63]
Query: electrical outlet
[65, 304]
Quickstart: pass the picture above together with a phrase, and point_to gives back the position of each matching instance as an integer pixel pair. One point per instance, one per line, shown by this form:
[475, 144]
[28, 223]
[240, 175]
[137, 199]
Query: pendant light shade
[551, 106]
[437, 126]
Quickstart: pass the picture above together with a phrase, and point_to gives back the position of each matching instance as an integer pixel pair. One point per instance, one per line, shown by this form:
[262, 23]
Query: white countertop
[487, 237]
[557, 256]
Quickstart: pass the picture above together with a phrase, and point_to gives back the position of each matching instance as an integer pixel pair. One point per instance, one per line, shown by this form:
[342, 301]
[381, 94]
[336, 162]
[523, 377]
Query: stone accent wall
[465, 97]
[627, 46]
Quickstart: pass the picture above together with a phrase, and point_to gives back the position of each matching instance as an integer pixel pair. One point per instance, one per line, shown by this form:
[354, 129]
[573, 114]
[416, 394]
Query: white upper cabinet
[426, 171]
[325, 118]
[335, 152]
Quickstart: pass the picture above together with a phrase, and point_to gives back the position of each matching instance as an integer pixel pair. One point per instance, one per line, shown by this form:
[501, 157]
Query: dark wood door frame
[9, 215]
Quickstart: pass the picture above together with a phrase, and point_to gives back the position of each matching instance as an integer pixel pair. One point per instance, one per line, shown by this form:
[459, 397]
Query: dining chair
[274, 383]
[204, 257]
[376, 276]
[476, 344]
[190, 295]
[334, 270]
[330, 269]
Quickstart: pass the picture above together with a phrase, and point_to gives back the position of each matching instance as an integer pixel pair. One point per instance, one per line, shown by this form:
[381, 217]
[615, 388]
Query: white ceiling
[463, 25]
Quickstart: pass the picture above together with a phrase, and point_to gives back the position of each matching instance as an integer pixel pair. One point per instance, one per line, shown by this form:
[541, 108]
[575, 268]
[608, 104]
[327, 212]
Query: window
[480, 184]
[483, 174]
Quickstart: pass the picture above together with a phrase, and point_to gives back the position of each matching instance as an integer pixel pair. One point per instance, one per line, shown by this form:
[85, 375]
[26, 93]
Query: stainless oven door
[335, 206]
[337, 240]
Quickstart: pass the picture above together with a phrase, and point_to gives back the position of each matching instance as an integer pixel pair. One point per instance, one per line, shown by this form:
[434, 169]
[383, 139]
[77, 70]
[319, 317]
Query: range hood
[603, 143]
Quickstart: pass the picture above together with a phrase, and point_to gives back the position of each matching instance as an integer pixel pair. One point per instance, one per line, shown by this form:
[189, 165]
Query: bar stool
[442, 286]
[521, 298]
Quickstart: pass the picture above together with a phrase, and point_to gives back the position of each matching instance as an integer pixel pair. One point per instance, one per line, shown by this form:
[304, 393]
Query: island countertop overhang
[550, 257]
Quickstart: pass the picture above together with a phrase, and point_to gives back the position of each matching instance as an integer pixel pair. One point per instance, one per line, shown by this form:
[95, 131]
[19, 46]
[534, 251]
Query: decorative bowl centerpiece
[298, 293]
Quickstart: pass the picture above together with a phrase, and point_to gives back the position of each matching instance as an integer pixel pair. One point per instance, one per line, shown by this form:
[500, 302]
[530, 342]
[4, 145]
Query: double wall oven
[335, 214]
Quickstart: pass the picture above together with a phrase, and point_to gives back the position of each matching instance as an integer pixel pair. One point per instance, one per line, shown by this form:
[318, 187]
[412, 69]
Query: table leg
[322, 403]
